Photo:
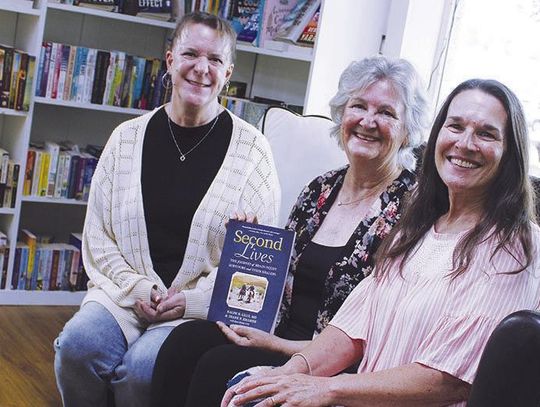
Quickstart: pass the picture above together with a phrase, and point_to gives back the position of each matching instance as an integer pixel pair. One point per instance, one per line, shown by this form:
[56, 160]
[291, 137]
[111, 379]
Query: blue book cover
[251, 275]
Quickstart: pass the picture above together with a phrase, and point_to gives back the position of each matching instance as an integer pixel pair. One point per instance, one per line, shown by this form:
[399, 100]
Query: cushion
[302, 149]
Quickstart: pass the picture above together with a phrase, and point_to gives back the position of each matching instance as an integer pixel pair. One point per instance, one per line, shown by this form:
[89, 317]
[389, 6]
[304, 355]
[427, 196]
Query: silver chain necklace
[183, 155]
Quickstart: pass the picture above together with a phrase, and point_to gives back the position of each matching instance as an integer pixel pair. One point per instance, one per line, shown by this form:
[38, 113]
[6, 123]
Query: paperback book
[251, 275]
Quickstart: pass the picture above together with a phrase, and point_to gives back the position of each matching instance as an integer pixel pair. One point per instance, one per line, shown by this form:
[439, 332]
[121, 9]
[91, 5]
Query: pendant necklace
[341, 203]
[183, 155]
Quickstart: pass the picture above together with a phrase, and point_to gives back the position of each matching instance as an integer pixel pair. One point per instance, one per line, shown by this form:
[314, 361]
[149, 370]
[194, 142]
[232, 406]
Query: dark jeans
[509, 370]
[195, 363]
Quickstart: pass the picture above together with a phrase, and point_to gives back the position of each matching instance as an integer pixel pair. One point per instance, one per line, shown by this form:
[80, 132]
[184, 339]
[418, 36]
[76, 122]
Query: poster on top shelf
[251, 275]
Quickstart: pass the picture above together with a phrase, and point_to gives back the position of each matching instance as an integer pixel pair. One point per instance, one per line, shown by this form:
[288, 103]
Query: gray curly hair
[361, 74]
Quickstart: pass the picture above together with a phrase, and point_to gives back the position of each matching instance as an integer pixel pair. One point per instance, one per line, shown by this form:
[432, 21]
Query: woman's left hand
[298, 390]
[249, 337]
[170, 308]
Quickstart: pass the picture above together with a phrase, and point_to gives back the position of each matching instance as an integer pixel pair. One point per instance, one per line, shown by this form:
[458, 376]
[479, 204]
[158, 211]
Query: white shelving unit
[348, 30]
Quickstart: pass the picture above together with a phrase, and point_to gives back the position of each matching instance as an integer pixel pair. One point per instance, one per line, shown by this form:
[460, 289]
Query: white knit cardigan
[115, 246]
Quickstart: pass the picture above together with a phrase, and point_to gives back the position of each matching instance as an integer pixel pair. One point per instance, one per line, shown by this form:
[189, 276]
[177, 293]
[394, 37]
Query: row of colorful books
[16, 76]
[40, 265]
[89, 75]
[60, 170]
[261, 22]
[9, 179]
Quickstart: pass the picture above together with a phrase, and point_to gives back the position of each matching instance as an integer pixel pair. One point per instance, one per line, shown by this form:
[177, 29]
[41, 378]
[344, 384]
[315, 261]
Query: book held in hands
[251, 275]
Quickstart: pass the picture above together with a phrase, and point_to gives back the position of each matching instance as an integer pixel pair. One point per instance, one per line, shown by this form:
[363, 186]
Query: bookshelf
[296, 76]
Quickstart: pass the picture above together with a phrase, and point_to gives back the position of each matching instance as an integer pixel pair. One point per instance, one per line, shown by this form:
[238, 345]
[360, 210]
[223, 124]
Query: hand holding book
[249, 337]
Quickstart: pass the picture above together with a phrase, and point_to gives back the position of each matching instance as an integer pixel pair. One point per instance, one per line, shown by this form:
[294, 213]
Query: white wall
[349, 30]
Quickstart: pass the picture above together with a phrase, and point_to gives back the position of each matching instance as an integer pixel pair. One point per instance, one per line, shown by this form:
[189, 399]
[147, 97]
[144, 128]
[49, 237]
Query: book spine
[14, 79]
[63, 71]
[51, 69]
[16, 269]
[28, 173]
[54, 269]
[69, 73]
[22, 269]
[16, 170]
[36, 175]
[44, 173]
[75, 159]
[39, 72]
[29, 83]
[6, 77]
[56, 74]
[21, 81]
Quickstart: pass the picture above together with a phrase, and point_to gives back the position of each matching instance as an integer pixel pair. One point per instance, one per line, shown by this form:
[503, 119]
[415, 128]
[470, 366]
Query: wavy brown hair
[508, 212]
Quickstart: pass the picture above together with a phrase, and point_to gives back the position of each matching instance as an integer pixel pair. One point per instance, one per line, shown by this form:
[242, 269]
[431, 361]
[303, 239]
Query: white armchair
[302, 149]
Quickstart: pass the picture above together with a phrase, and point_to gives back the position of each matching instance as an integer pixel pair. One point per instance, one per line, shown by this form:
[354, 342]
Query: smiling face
[372, 126]
[199, 64]
[471, 143]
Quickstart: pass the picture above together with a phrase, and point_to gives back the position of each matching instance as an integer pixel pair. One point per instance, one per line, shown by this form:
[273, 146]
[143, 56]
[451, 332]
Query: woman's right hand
[249, 337]
[255, 373]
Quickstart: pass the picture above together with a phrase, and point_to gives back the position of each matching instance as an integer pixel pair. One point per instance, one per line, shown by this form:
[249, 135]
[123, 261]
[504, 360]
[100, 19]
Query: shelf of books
[71, 70]
[19, 6]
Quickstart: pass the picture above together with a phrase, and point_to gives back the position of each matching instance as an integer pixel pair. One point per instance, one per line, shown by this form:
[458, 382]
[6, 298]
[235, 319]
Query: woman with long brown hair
[463, 256]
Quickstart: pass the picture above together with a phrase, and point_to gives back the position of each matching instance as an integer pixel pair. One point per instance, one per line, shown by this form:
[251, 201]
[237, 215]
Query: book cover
[246, 19]
[251, 275]
[307, 37]
[274, 13]
[294, 23]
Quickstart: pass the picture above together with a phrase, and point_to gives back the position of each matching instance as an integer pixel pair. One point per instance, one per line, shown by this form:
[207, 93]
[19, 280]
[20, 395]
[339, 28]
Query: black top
[308, 289]
[172, 189]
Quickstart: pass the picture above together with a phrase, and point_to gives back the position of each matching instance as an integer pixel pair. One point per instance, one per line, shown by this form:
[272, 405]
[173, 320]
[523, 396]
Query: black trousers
[196, 361]
[509, 370]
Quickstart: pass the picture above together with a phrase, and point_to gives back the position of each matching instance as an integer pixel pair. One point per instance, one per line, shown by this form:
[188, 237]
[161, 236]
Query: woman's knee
[92, 335]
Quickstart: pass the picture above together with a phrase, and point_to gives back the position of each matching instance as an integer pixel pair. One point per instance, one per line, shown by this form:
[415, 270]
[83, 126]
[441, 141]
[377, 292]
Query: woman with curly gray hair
[340, 219]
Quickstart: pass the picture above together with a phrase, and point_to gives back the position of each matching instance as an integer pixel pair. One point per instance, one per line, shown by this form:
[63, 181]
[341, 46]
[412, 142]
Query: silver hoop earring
[166, 81]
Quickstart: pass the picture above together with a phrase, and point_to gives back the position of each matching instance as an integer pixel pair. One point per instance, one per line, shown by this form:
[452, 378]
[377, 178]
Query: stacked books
[88, 75]
[59, 170]
[9, 180]
[16, 76]
[48, 266]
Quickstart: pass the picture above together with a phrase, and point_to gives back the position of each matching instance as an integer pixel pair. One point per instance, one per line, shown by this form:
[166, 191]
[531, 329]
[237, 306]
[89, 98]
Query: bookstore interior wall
[52, 214]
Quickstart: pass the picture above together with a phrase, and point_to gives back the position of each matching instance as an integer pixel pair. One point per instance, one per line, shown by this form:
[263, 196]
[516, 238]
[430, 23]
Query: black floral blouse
[308, 214]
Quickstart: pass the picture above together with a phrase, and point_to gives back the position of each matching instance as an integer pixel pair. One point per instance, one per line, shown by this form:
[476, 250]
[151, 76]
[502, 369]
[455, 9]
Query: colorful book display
[251, 275]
